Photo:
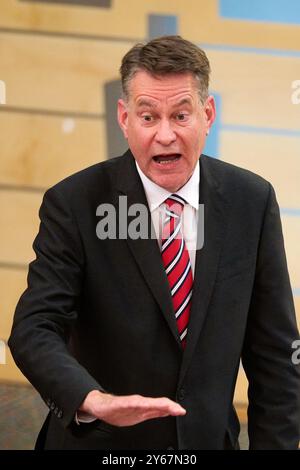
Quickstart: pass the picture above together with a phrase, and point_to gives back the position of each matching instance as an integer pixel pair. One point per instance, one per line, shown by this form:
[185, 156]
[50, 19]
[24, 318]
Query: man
[135, 342]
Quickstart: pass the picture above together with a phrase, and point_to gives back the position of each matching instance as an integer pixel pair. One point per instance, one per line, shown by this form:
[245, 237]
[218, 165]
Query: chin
[171, 186]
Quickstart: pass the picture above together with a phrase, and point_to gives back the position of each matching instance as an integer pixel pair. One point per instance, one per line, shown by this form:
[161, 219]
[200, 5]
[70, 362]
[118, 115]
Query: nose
[165, 135]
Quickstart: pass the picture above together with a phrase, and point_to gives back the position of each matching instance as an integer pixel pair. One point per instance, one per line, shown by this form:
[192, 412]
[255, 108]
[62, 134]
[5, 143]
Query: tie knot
[175, 204]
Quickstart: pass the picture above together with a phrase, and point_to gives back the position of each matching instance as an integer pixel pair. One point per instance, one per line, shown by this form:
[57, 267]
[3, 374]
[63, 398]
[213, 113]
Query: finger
[161, 413]
[169, 406]
[153, 415]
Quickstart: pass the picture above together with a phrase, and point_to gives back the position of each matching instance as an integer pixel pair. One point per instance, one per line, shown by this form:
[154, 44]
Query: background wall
[59, 61]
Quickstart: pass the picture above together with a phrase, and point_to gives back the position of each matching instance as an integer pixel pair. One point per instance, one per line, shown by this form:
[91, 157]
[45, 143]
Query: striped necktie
[177, 263]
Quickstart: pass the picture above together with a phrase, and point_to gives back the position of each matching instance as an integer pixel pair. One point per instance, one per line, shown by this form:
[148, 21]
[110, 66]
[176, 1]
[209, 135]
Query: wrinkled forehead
[147, 89]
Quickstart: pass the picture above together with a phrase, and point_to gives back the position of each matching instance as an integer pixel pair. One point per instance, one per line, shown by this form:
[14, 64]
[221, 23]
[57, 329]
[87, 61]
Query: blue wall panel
[276, 11]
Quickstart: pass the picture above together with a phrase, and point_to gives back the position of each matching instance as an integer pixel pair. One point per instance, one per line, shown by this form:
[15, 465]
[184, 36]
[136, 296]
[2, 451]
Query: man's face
[166, 125]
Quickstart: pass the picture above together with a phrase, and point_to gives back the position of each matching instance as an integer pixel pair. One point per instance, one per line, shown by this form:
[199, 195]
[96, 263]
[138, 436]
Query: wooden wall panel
[68, 74]
[75, 19]
[199, 22]
[202, 23]
[19, 224]
[256, 89]
[83, 20]
[39, 150]
[274, 157]
[9, 372]
[58, 74]
[12, 284]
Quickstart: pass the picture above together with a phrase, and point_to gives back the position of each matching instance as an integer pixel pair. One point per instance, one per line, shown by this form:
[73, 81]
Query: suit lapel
[146, 251]
[147, 254]
[207, 258]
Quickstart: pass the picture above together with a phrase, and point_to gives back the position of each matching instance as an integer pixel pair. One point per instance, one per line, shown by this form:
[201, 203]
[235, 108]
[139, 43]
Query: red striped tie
[177, 263]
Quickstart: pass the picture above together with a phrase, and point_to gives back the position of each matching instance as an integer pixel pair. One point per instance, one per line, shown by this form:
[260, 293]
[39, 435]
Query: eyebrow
[151, 104]
[183, 101]
[147, 103]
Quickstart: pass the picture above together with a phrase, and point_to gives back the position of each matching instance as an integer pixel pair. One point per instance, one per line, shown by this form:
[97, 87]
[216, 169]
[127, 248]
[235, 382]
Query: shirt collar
[156, 195]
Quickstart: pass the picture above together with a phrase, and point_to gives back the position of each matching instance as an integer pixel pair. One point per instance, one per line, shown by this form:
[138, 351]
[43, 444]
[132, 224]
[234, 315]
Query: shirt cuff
[82, 417]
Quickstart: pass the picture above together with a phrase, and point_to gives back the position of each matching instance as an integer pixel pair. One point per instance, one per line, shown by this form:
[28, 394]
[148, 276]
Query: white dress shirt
[156, 196]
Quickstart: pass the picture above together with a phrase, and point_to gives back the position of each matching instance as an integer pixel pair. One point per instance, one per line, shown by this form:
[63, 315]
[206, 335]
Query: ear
[210, 112]
[123, 116]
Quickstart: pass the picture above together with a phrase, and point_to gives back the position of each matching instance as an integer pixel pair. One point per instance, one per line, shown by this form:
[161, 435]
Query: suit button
[56, 410]
[170, 448]
[181, 394]
[59, 414]
[52, 406]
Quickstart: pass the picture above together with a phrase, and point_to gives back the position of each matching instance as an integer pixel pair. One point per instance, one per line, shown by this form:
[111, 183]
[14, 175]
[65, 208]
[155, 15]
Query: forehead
[168, 88]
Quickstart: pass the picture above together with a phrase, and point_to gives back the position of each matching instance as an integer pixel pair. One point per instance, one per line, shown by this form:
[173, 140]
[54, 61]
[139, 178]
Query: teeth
[167, 159]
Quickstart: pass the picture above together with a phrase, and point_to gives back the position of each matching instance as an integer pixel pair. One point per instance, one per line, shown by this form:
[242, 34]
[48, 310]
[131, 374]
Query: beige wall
[55, 61]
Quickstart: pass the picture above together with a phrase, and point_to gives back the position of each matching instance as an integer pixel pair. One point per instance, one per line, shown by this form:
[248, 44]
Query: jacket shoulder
[98, 176]
[235, 177]
[89, 176]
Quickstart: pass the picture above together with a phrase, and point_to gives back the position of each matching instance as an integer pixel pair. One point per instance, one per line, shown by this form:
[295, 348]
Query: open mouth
[164, 159]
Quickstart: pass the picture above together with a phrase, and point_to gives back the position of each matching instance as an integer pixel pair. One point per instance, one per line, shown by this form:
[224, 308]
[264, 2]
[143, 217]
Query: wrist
[87, 406]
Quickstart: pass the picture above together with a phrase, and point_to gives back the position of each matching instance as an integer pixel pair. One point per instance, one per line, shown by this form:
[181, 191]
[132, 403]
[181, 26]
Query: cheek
[138, 137]
[194, 139]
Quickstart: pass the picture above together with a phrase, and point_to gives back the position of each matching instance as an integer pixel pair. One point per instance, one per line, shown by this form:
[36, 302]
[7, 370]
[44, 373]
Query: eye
[181, 117]
[147, 117]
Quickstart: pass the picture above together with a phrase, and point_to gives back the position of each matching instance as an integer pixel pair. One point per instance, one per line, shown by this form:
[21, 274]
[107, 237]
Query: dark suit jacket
[98, 313]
